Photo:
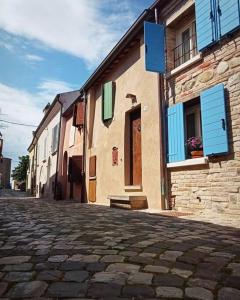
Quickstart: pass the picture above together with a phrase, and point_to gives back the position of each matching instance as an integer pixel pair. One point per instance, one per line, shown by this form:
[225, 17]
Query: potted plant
[195, 147]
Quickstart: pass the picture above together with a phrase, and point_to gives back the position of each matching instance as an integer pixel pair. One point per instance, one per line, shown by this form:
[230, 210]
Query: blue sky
[49, 47]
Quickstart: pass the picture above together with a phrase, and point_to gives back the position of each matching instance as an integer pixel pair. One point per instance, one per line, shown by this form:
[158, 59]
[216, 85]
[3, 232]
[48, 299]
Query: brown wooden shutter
[92, 166]
[92, 190]
[76, 168]
[80, 114]
[74, 114]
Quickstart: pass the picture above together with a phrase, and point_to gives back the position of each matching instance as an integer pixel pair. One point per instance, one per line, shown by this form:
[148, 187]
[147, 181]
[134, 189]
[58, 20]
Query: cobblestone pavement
[52, 250]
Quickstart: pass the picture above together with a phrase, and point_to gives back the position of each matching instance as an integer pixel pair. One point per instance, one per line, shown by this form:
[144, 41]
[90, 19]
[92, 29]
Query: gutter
[84, 189]
[58, 147]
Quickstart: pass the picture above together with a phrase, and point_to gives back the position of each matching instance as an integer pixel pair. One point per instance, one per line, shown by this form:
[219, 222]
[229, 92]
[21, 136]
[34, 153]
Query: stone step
[128, 202]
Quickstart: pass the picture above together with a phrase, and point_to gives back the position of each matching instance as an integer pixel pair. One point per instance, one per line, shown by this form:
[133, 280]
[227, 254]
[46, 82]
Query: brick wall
[215, 186]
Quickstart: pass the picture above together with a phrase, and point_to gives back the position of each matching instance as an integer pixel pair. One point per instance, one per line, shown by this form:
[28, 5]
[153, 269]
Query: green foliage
[20, 172]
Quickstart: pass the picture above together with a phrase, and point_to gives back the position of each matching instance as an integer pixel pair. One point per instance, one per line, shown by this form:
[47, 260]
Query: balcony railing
[186, 50]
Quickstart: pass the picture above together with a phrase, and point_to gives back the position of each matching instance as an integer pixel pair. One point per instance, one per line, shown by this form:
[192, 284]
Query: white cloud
[34, 58]
[85, 28]
[20, 106]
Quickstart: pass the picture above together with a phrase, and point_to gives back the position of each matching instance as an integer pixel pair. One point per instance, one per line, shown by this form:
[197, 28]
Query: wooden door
[92, 178]
[135, 149]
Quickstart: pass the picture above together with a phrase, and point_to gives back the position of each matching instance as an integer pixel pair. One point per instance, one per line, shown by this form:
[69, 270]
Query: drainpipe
[83, 196]
[58, 147]
[161, 103]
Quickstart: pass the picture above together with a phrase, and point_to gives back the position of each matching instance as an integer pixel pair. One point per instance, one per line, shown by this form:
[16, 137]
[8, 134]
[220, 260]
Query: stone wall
[215, 186]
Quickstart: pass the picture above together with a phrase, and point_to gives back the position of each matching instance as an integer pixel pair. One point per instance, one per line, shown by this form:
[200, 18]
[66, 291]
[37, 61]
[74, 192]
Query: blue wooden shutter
[154, 39]
[107, 101]
[228, 15]
[214, 125]
[205, 23]
[176, 136]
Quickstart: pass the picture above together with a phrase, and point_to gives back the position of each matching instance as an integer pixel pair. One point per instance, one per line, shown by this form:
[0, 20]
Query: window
[204, 117]
[186, 47]
[55, 138]
[45, 148]
[72, 136]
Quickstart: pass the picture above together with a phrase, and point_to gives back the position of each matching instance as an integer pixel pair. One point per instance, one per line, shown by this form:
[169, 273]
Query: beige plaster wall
[43, 162]
[130, 77]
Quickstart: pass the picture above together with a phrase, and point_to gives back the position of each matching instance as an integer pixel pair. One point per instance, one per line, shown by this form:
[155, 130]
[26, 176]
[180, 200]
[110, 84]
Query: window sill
[133, 188]
[188, 162]
[188, 63]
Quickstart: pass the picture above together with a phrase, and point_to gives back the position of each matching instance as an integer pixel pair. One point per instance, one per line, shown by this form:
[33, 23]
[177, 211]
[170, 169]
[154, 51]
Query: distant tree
[20, 172]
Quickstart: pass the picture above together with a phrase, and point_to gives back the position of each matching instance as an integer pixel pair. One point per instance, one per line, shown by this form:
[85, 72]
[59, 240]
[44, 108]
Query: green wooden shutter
[107, 101]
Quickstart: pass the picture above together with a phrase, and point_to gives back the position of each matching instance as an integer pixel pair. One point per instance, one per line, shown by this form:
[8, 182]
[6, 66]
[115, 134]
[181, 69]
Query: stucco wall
[46, 166]
[130, 77]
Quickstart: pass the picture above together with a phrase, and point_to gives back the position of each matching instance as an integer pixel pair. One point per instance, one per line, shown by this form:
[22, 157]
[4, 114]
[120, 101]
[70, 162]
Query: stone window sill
[188, 162]
[133, 188]
[188, 63]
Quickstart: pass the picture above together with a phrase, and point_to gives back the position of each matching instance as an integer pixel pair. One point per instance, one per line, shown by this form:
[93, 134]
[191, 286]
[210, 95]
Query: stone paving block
[171, 255]
[169, 292]
[228, 293]
[77, 276]
[104, 290]
[235, 267]
[140, 278]
[123, 267]
[168, 280]
[112, 258]
[13, 260]
[110, 277]
[199, 293]
[50, 275]
[20, 267]
[28, 289]
[96, 267]
[85, 258]
[208, 284]
[19, 276]
[72, 265]
[181, 273]
[138, 291]
[156, 269]
[57, 258]
[67, 289]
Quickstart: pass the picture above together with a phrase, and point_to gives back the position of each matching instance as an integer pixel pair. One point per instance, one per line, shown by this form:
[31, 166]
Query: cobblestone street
[51, 250]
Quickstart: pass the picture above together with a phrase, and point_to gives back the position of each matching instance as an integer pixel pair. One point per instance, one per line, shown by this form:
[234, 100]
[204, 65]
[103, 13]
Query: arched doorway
[65, 175]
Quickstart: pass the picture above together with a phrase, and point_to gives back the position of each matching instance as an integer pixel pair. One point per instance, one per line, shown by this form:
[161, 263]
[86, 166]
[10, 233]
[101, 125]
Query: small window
[55, 138]
[72, 136]
[186, 47]
[45, 149]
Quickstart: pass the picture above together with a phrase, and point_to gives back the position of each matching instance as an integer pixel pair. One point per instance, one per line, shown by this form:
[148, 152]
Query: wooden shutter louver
[107, 101]
[214, 121]
[79, 114]
[92, 166]
[176, 135]
[154, 39]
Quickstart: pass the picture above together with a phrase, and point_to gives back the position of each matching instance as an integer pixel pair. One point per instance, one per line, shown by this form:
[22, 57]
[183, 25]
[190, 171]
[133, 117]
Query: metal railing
[186, 50]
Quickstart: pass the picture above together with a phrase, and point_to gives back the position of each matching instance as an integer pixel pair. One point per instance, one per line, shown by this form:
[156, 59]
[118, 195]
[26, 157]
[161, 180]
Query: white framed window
[55, 138]
[186, 45]
[72, 136]
[45, 148]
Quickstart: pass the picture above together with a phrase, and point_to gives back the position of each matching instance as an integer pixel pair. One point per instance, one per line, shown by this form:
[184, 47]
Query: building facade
[157, 124]
[5, 173]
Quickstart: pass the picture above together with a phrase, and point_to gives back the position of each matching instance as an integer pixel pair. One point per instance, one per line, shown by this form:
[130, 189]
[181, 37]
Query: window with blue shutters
[203, 118]
[214, 19]
[176, 134]
[154, 39]
[214, 123]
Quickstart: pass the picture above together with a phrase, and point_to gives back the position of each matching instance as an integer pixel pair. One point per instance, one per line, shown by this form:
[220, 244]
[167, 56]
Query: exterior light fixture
[131, 96]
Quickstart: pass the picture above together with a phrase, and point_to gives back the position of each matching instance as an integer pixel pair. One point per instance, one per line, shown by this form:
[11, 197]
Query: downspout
[58, 148]
[161, 102]
[84, 190]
